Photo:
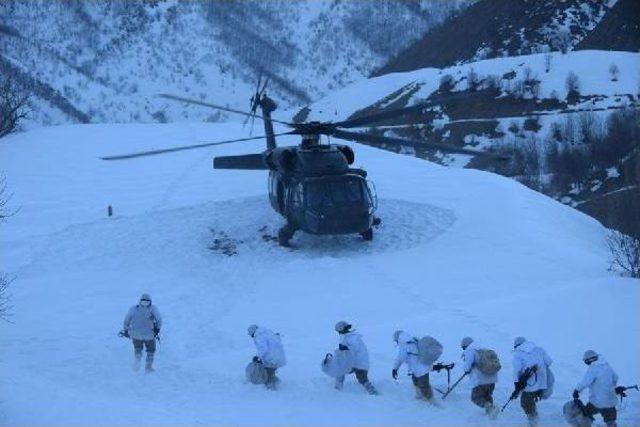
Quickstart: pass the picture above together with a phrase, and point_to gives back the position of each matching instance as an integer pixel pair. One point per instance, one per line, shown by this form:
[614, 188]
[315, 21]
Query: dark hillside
[494, 28]
[618, 30]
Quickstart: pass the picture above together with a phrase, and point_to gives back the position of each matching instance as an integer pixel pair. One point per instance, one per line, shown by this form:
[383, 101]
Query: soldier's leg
[590, 410]
[137, 353]
[339, 383]
[414, 380]
[271, 378]
[481, 395]
[423, 385]
[528, 404]
[609, 416]
[150, 346]
[362, 377]
[478, 396]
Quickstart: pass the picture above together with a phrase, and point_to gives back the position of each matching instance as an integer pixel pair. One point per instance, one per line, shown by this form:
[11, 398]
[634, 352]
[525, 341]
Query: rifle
[521, 383]
[620, 390]
[439, 366]
[444, 396]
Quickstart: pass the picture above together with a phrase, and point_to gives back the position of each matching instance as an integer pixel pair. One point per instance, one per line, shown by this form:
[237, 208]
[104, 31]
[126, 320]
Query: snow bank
[460, 252]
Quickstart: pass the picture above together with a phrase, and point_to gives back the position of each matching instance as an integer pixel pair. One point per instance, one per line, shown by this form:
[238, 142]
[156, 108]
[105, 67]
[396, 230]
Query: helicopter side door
[295, 204]
[276, 192]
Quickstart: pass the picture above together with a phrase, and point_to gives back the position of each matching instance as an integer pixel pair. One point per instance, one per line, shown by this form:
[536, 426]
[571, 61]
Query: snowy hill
[105, 61]
[460, 252]
[520, 104]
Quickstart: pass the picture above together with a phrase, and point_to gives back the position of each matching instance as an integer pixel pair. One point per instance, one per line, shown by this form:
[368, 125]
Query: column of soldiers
[531, 373]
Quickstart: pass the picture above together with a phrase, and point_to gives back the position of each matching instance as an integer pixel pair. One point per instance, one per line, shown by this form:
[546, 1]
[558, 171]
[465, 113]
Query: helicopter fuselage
[317, 192]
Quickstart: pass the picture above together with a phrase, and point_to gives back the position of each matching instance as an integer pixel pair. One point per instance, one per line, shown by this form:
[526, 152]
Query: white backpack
[487, 361]
[338, 364]
[256, 373]
[429, 350]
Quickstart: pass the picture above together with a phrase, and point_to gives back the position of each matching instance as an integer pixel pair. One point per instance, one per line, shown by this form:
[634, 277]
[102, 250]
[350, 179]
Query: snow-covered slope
[105, 61]
[549, 70]
[460, 252]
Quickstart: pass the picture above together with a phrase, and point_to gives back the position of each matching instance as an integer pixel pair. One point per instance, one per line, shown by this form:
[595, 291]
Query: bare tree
[572, 84]
[561, 40]
[13, 107]
[547, 62]
[5, 307]
[614, 71]
[473, 80]
[5, 212]
[625, 253]
[447, 83]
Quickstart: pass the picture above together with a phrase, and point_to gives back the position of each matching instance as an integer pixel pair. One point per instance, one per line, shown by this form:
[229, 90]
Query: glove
[343, 347]
[576, 395]
[620, 391]
[256, 359]
[156, 331]
[124, 333]
[394, 374]
[438, 367]
[467, 372]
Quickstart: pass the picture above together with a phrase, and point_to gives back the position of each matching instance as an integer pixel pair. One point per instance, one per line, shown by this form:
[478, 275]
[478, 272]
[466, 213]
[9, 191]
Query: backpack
[429, 350]
[487, 361]
[338, 364]
[547, 392]
[573, 412]
[256, 373]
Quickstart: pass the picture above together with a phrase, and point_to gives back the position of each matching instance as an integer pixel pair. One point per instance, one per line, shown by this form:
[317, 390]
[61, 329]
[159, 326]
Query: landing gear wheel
[285, 234]
[367, 235]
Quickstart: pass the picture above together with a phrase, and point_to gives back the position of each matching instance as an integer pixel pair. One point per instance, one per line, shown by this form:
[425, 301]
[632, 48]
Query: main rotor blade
[399, 112]
[183, 148]
[384, 115]
[217, 107]
[378, 139]
[246, 162]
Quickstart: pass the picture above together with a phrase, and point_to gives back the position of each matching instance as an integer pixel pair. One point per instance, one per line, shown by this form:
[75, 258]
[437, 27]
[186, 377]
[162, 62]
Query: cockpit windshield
[335, 192]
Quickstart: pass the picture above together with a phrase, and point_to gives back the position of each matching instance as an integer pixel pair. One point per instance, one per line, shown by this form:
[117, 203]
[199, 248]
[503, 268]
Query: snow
[591, 66]
[460, 252]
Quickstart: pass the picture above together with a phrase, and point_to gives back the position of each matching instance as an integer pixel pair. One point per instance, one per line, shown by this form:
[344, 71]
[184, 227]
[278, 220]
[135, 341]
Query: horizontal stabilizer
[247, 161]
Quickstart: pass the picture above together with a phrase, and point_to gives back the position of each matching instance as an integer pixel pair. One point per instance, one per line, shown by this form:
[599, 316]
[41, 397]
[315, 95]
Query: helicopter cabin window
[335, 192]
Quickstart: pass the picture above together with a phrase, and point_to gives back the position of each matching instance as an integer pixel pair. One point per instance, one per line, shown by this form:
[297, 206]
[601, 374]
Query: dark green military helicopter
[311, 185]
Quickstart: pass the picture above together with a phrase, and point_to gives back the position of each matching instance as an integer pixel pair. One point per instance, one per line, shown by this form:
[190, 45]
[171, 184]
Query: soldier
[483, 383]
[408, 353]
[352, 341]
[142, 324]
[602, 382]
[529, 358]
[269, 352]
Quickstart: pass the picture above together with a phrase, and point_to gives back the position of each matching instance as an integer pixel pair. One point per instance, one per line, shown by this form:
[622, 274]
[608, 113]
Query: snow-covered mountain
[106, 60]
[459, 252]
[495, 28]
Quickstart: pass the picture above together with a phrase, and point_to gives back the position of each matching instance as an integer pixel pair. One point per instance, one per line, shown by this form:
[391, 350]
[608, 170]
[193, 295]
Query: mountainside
[619, 29]
[459, 252]
[521, 106]
[495, 28]
[106, 60]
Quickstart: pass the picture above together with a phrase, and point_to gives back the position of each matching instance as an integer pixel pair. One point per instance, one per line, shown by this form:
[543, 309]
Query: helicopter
[313, 185]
